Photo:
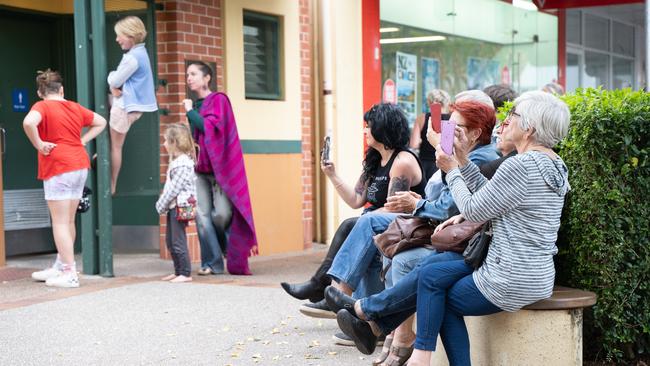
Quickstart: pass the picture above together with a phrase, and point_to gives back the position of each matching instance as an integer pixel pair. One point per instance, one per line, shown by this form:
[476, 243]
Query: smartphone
[325, 152]
[447, 138]
[436, 115]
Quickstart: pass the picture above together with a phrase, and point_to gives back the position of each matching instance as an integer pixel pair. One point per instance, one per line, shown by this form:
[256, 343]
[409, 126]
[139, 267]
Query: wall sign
[19, 101]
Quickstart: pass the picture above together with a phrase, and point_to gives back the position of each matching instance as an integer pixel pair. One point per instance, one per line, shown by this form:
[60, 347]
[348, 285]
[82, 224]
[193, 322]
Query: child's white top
[180, 184]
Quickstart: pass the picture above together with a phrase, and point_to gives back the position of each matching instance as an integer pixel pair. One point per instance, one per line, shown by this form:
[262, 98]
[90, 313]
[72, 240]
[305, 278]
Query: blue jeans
[389, 308]
[447, 292]
[403, 263]
[358, 262]
[213, 216]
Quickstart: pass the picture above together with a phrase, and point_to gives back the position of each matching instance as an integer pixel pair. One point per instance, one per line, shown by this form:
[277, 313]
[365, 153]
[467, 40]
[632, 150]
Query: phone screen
[325, 153]
[447, 138]
[436, 115]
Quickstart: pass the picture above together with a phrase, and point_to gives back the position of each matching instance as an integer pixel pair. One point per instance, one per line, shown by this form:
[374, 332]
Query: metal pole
[104, 199]
[82, 57]
[647, 45]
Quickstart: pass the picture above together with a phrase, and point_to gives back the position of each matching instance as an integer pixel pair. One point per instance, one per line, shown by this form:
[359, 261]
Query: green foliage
[605, 235]
[503, 111]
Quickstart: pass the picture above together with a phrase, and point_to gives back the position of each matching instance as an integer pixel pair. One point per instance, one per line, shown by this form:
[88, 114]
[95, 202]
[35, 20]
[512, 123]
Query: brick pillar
[306, 120]
[186, 30]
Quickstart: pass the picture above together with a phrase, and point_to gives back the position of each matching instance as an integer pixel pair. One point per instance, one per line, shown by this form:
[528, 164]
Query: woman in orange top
[54, 126]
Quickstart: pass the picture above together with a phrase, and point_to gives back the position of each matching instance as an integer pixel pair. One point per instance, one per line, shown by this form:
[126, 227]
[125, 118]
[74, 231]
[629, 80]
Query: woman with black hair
[388, 167]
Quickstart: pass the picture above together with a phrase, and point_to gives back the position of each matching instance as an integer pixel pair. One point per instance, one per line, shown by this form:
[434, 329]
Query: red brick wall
[186, 29]
[306, 97]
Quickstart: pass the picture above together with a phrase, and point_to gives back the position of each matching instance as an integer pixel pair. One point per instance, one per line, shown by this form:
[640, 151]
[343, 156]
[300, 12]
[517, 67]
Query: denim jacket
[439, 204]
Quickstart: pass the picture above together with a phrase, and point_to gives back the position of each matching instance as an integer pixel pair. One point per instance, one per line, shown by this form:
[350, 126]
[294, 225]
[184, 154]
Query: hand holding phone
[447, 137]
[436, 115]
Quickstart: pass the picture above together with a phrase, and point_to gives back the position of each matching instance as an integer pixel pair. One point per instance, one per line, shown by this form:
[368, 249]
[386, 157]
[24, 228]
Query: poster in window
[482, 72]
[406, 75]
[430, 79]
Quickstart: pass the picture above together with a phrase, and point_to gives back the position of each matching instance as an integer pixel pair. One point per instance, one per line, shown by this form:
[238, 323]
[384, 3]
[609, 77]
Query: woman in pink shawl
[224, 216]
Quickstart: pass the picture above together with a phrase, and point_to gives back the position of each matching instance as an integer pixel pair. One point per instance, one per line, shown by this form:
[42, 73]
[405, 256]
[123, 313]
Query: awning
[565, 4]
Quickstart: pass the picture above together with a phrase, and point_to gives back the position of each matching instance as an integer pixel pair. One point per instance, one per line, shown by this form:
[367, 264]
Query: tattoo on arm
[398, 184]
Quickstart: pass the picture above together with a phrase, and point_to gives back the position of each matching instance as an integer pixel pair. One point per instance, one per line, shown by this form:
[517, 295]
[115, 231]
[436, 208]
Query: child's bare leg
[117, 143]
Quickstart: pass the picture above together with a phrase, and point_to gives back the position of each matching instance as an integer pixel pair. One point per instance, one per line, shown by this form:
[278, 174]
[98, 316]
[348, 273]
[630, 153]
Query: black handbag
[478, 246]
[84, 202]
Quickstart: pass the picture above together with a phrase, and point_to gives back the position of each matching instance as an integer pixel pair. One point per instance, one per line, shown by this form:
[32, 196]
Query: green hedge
[604, 239]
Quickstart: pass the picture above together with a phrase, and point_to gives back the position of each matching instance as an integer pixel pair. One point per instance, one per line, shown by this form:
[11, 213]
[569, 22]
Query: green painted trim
[271, 146]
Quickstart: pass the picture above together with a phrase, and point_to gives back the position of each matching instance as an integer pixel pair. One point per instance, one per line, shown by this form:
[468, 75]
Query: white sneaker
[65, 279]
[46, 274]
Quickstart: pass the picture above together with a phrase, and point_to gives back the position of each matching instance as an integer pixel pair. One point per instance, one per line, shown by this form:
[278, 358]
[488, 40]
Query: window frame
[610, 53]
[273, 71]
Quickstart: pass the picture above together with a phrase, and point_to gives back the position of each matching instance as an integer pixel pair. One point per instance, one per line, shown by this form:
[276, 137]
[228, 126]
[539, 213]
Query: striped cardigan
[524, 200]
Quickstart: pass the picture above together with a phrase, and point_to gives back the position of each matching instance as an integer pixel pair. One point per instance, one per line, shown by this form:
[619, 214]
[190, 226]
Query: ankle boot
[311, 290]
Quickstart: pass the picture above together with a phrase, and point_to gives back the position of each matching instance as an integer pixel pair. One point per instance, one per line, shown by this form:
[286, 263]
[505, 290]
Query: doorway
[41, 35]
[38, 41]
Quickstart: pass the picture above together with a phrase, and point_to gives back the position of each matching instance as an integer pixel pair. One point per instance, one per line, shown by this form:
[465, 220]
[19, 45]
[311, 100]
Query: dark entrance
[43, 36]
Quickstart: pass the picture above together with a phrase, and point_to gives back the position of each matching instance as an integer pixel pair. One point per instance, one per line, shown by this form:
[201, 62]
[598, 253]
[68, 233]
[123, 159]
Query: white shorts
[120, 120]
[66, 186]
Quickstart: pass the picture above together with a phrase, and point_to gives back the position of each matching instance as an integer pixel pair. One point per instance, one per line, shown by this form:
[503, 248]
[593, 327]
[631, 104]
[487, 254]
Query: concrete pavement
[135, 319]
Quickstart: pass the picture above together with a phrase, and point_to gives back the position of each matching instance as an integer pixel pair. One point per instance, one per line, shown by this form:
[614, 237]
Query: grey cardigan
[524, 201]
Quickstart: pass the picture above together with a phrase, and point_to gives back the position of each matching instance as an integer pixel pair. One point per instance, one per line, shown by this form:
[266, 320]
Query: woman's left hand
[461, 146]
[445, 162]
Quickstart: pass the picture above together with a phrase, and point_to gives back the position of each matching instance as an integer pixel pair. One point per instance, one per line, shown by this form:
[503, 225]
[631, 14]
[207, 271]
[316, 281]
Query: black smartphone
[325, 152]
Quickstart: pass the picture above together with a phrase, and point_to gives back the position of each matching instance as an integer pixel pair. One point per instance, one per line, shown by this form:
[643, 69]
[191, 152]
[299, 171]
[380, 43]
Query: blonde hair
[441, 97]
[179, 136]
[48, 82]
[132, 27]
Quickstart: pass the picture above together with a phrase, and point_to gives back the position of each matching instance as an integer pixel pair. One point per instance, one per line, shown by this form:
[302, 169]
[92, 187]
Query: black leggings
[337, 241]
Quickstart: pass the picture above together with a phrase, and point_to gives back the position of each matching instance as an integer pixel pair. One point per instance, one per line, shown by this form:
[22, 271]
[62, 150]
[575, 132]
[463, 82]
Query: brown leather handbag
[454, 238]
[404, 233]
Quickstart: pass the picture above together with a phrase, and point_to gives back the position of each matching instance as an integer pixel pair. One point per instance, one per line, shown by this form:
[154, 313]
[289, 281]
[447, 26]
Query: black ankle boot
[310, 290]
[337, 300]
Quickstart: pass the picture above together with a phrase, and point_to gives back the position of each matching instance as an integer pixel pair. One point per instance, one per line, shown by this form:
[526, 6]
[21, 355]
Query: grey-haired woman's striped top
[524, 200]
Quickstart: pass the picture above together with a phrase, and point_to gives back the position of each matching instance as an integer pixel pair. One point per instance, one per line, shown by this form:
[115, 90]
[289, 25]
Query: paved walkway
[135, 319]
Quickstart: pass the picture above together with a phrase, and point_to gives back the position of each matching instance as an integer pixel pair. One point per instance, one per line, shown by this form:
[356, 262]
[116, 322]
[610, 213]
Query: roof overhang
[565, 4]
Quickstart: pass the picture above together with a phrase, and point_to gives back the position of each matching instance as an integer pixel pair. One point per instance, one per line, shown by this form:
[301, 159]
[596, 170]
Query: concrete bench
[548, 332]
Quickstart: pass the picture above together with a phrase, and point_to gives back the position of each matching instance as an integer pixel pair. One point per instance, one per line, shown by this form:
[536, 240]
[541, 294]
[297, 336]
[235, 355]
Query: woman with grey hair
[523, 202]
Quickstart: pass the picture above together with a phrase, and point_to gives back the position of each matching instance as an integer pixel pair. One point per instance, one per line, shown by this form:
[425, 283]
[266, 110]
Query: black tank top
[378, 188]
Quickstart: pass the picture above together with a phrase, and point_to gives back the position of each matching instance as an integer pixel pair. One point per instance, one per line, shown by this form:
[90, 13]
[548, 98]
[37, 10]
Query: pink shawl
[225, 160]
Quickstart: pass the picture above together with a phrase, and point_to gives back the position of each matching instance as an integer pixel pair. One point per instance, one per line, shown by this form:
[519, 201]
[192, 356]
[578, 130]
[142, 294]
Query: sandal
[398, 356]
[385, 351]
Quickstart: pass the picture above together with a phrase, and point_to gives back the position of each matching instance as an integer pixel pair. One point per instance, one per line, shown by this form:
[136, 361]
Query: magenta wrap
[221, 154]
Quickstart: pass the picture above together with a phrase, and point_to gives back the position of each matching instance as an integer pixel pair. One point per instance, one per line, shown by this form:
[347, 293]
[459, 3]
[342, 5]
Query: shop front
[464, 44]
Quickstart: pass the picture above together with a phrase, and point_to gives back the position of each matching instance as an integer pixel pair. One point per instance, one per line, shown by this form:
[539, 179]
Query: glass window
[623, 39]
[261, 56]
[574, 26]
[572, 71]
[623, 72]
[596, 32]
[596, 70]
